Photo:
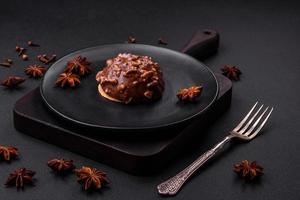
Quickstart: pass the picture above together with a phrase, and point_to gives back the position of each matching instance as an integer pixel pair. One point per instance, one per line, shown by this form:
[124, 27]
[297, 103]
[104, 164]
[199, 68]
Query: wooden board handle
[203, 44]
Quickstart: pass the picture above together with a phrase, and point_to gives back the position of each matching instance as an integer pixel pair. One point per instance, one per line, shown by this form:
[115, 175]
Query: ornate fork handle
[173, 185]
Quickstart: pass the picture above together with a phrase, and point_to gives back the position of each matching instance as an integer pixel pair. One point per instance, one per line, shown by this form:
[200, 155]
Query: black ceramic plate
[83, 105]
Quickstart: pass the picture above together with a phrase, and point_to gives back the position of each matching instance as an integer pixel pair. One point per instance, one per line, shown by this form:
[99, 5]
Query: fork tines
[251, 125]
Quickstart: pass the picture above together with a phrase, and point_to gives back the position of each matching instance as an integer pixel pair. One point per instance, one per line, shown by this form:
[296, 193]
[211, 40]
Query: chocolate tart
[130, 78]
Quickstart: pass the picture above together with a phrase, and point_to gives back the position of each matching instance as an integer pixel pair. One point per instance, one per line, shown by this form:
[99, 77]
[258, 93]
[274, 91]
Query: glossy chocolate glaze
[131, 78]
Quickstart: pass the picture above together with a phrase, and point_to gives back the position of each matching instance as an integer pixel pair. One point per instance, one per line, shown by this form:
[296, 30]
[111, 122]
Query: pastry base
[103, 94]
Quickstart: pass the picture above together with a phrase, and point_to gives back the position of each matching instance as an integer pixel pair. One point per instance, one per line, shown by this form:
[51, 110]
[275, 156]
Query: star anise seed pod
[20, 50]
[20, 177]
[248, 170]
[91, 178]
[12, 81]
[189, 94]
[7, 62]
[78, 65]
[35, 71]
[131, 40]
[32, 44]
[232, 72]
[67, 79]
[61, 165]
[24, 57]
[44, 58]
[162, 41]
[51, 59]
[7, 152]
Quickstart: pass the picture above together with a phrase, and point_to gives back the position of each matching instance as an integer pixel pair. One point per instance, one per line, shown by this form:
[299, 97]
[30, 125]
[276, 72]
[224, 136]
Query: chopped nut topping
[147, 74]
[137, 73]
[121, 87]
[110, 81]
[153, 83]
[148, 94]
[135, 83]
[131, 71]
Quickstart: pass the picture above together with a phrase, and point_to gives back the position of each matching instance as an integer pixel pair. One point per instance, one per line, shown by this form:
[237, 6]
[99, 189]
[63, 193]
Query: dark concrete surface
[262, 38]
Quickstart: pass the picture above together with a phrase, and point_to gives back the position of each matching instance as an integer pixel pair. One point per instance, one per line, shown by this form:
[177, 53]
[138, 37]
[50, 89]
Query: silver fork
[242, 131]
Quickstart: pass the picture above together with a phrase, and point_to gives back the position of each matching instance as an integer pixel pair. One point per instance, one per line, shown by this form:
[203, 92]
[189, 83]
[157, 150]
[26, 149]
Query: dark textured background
[261, 38]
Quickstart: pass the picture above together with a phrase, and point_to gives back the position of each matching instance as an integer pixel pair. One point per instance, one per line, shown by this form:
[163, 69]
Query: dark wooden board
[130, 153]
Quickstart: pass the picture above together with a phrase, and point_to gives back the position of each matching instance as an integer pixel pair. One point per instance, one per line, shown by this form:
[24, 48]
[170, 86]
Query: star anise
[60, 165]
[7, 152]
[7, 62]
[131, 40]
[67, 79]
[12, 81]
[35, 71]
[162, 41]
[20, 50]
[91, 178]
[20, 177]
[248, 169]
[44, 58]
[78, 65]
[232, 72]
[189, 94]
[32, 44]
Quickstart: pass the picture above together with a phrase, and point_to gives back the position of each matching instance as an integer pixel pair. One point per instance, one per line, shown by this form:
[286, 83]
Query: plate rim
[128, 128]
